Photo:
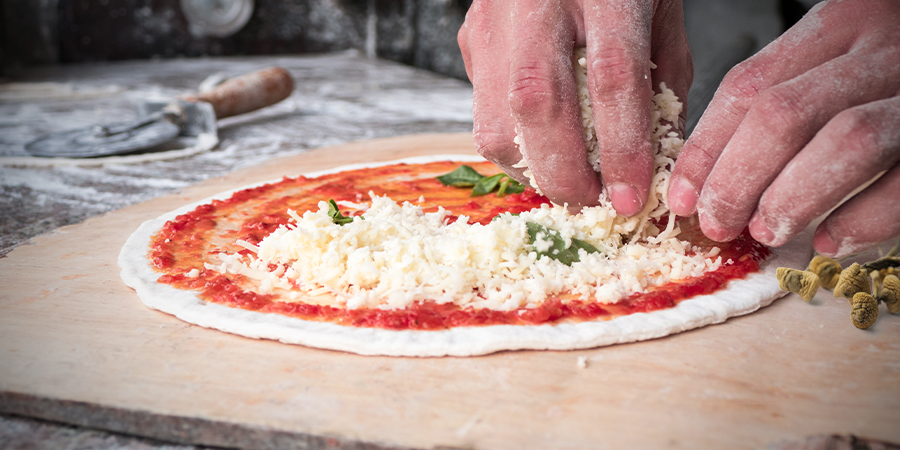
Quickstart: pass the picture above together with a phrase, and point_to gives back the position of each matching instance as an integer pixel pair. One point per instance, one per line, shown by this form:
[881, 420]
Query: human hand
[798, 127]
[518, 56]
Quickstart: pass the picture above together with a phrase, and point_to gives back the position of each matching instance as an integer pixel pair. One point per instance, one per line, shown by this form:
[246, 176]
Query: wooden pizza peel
[77, 346]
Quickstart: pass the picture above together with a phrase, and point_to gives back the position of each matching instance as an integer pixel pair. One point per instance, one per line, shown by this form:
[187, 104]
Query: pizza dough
[740, 297]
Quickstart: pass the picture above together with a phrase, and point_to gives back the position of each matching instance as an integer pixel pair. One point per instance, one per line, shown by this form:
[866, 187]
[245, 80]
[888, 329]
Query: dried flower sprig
[803, 283]
[890, 293]
[865, 286]
[827, 269]
[864, 310]
[852, 280]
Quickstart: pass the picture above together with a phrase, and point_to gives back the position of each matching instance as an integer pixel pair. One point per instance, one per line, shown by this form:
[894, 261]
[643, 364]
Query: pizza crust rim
[740, 297]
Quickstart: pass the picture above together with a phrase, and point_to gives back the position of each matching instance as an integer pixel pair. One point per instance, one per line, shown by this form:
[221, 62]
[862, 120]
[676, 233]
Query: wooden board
[72, 334]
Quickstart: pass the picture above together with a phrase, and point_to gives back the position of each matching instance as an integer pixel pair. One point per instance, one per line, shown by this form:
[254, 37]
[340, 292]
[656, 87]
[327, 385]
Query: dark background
[416, 32]
[421, 33]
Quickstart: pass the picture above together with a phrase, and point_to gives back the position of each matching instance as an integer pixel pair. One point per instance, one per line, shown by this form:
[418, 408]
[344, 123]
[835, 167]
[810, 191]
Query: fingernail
[760, 231]
[625, 199]
[682, 196]
[824, 244]
[713, 229]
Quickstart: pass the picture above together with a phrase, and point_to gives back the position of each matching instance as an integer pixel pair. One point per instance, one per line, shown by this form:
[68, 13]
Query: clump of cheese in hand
[667, 144]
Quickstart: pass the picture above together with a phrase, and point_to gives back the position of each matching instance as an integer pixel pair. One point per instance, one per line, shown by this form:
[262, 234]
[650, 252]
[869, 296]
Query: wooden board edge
[173, 429]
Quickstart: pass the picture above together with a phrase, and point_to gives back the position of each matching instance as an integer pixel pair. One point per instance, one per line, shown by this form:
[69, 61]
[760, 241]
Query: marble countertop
[337, 98]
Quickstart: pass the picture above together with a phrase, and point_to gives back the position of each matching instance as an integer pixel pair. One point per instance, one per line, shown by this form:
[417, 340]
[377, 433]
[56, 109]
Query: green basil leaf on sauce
[485, 185]
[336, 215]
[557, 249]
[510, 186]
[506, 186]
[463, 176]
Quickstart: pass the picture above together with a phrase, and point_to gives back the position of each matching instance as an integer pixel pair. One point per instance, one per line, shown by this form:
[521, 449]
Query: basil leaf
[514, 187]
[487, 184]
[463, 176]
[503, 186]
[558, 249]
[336, 215]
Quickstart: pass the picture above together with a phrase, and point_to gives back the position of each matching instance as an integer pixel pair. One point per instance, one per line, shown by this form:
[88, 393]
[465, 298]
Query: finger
[618, 56]
[870, 217]
[823, 28]
[462, 38]
[543, 99]
[671, 53]
[852, 149]
[783, 120]
[487, 45]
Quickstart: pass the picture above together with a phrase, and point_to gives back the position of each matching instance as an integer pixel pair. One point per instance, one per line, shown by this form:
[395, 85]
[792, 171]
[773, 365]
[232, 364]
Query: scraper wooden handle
[248, 92]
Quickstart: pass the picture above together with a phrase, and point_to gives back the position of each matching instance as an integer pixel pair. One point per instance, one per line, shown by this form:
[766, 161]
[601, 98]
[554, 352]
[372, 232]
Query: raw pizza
[424, 257]
[387, 259]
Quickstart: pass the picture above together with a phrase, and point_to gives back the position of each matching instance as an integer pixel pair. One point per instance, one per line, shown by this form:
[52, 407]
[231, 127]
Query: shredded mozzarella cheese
[399, 255]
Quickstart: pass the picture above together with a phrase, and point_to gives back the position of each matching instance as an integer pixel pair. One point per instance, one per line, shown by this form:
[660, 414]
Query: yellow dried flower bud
[827, 269]
[890, 293]
[853, 279]
[803, 283]
[864, 310]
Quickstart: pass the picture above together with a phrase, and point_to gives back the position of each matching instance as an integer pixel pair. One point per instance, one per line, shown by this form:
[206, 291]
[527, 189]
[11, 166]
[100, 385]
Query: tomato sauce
[184, 243]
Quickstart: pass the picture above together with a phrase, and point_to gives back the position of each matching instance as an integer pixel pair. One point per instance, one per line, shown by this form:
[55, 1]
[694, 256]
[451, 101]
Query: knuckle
[477, 9]
[483, 17]
[612, 68]
[462, 38]
[479, 20]
[781, 108]
[697, 159]
[743, 84]
[482, 7]
[615, 64]
[531, 90]
[857, 131]
[705, 155]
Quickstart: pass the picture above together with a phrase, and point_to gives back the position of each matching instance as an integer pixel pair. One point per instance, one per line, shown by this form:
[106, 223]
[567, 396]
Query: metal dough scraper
[162, 121]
